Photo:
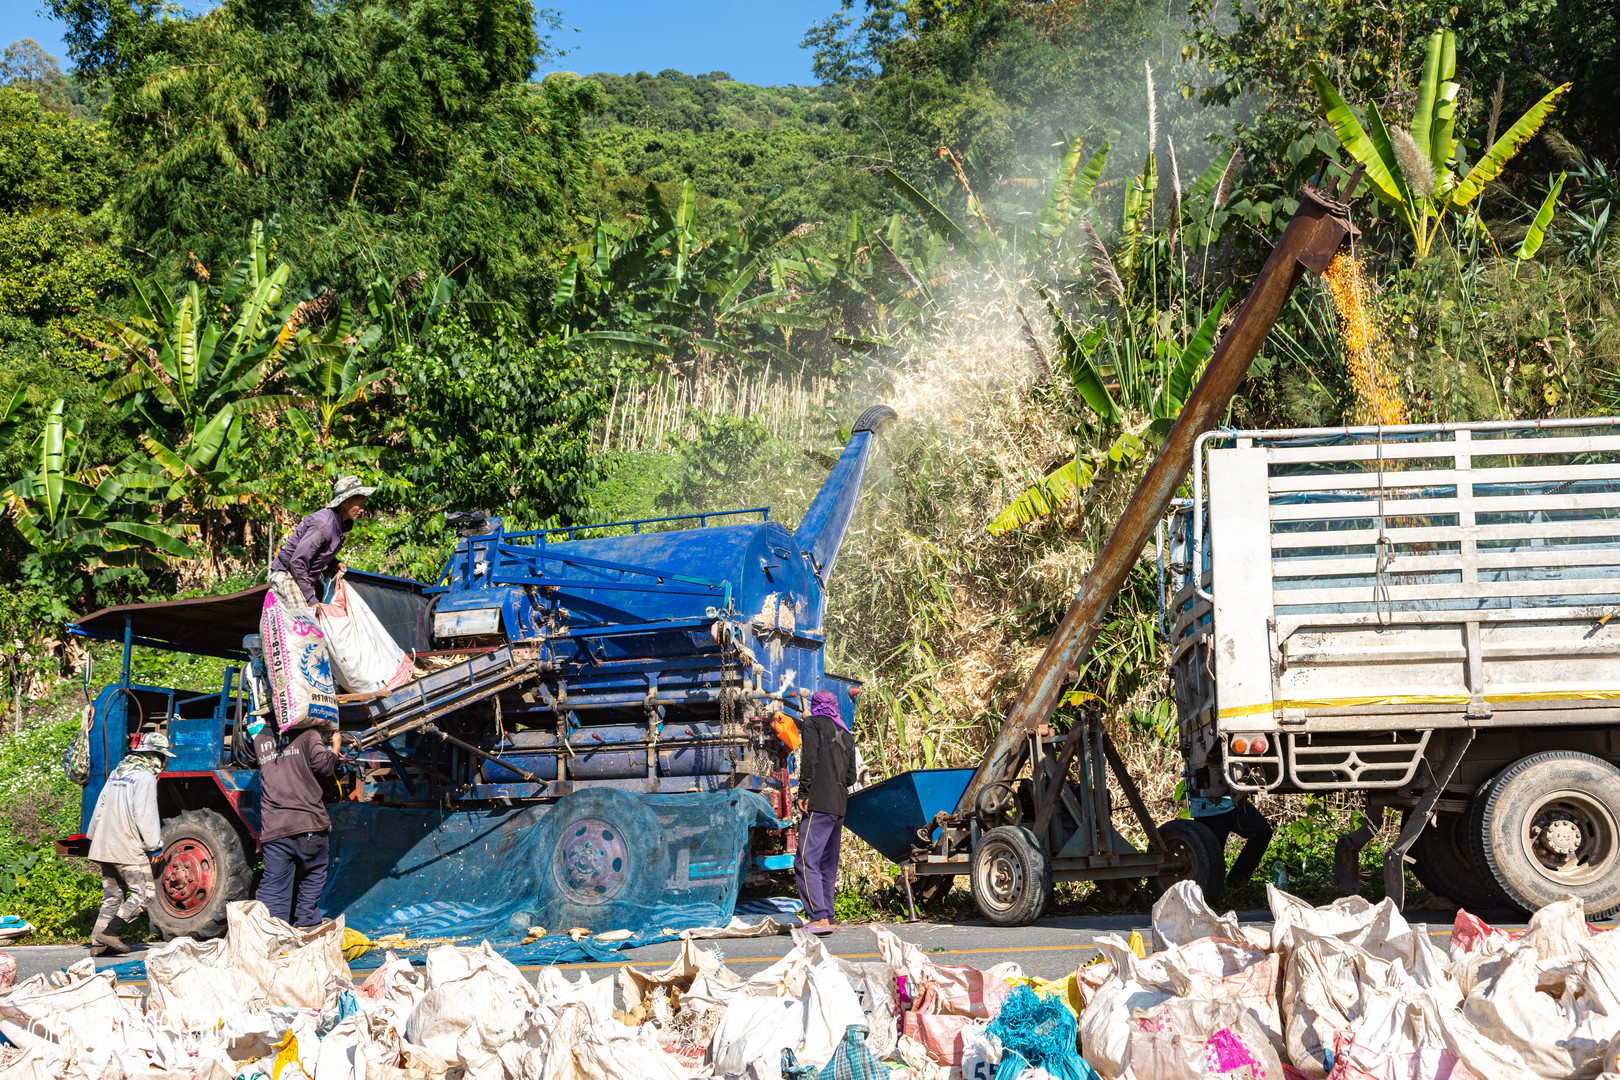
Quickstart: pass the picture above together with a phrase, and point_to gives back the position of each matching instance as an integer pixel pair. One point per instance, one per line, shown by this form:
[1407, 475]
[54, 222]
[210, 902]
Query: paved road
[1050, 949]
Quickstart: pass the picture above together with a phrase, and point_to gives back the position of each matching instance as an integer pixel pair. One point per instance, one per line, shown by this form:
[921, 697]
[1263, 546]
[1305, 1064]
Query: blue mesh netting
[601, 859]
[1041, 1031]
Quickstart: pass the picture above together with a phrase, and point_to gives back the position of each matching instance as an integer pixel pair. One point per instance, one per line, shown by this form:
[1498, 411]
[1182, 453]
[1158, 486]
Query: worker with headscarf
[310, 553]
[826, 771]
[126, 841]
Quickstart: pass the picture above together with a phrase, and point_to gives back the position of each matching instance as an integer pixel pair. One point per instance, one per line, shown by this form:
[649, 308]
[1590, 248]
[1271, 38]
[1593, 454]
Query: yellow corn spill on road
[1368, 355]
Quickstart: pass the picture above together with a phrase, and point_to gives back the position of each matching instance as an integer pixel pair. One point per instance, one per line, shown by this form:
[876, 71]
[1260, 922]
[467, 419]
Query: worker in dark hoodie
[826, 771]
[295, 831]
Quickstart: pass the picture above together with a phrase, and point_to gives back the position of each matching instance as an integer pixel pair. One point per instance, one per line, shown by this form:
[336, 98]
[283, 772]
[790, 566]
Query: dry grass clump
[945, 621]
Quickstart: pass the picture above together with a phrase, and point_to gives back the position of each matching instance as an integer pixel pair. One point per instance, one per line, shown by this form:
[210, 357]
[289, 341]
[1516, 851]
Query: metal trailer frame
[1407, 598]
[992, 800]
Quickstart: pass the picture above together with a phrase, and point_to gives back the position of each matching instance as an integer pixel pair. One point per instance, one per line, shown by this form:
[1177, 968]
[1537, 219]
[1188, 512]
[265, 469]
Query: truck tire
[1197, 856]
[1011, 876]
[205, 867]
[1548, 826]
[602, 862]
[1444, 865]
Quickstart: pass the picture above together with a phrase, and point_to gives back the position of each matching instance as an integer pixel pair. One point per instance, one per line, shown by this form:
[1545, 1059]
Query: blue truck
[656, 656]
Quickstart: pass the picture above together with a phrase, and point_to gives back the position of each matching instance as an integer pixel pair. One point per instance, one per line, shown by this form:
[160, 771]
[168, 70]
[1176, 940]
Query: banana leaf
[1490, 166]
[1442, 132]
[1086, 183]
[1184, 373]
[622, 341]
[154, 536]
[1538, 227]
[1058, 210]
[53, 451]
[1210, 178]
[1428, 89]
[1077, 361]
[937, 219]
[1044, 497]
[1378, 159]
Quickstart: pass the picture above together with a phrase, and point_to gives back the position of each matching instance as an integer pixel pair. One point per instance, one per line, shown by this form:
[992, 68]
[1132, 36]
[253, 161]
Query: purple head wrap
[823, 703]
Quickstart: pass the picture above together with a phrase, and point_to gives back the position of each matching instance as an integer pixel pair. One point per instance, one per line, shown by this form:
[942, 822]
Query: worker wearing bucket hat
[312, 549]
[126, 840]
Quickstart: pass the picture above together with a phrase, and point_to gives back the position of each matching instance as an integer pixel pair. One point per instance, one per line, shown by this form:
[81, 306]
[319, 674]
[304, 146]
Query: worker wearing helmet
[126, 841]
[310, 553]
[826, 771]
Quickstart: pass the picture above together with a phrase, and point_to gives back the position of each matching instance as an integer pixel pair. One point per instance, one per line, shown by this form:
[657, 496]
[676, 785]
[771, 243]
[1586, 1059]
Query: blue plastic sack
[1040, 1032]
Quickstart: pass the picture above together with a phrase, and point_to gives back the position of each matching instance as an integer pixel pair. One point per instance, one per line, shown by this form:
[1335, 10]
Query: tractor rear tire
[602, 862]
[205, 867]
[1011, 876]
[1548, 826]
[1197, 856]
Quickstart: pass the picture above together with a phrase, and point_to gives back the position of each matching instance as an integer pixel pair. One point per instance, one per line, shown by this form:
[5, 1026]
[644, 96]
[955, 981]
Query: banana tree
[181, 363]
[1419, 171]
[331, 373]
[102, 519]
[660, 289]
[1161, 391]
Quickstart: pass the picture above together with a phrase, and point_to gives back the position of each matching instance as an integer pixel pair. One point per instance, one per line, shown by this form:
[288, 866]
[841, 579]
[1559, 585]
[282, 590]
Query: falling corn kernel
[1368, 355]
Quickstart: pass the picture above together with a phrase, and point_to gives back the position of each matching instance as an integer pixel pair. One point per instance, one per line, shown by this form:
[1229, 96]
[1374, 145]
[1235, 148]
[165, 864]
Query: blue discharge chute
[601, 859]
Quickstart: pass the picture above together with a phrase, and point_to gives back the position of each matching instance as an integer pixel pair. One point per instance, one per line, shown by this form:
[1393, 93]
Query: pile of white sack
[1350, 991]
[272, 1002]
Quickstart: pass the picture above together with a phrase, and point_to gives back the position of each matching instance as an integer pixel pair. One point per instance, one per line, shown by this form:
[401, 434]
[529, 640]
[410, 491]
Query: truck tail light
[1250, 744]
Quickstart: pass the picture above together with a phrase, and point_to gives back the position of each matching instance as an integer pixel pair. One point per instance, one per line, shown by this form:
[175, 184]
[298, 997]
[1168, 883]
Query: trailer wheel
[1444, 865]
[1012, 877]
[602, 861]
[1193, 854]
[204, 868]
[1549, 826]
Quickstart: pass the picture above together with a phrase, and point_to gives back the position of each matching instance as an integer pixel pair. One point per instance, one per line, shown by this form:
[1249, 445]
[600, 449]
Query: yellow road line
[773, 959]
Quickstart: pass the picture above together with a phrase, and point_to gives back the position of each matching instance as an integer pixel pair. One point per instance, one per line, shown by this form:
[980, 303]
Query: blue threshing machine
[647, 657]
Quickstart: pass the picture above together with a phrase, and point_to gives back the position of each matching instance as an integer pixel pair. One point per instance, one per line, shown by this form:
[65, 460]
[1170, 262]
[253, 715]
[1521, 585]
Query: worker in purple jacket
[826, 771]
[311, 551]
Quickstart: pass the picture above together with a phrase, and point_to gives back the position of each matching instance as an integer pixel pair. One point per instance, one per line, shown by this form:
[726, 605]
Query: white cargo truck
[1422, 614]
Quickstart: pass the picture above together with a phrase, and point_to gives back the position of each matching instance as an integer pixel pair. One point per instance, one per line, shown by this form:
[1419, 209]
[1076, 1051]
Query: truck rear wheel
[204, 868]
[1193, 854]
[1445, 866]
[1548, 826]
[1012, 877]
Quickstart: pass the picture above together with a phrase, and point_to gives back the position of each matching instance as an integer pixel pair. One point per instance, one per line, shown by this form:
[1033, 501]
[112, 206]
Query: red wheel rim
[189, 876]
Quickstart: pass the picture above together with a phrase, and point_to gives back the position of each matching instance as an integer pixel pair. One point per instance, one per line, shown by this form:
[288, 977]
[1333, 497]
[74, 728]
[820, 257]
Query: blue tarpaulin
[601, 859]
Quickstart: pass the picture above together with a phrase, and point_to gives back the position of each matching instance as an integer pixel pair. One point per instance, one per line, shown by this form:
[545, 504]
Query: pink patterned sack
[300, 672]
